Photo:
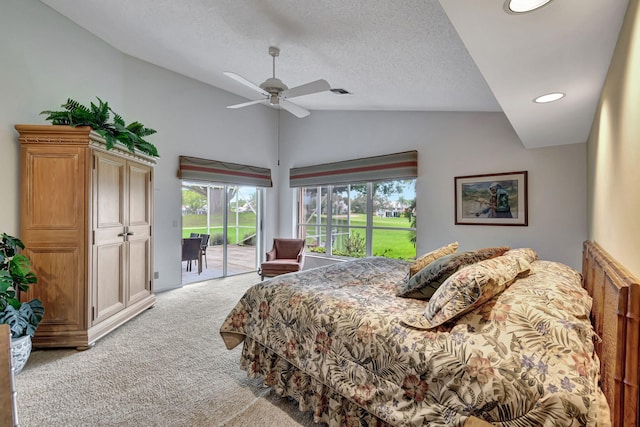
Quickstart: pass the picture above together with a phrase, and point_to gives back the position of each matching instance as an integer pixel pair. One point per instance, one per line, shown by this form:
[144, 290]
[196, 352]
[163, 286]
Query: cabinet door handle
[125, 233]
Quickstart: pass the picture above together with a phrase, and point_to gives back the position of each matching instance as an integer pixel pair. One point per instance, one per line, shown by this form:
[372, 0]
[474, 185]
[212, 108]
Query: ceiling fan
[277, 93]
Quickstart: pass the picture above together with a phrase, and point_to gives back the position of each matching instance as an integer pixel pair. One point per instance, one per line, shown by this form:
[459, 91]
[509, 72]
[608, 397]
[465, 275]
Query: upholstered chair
[286, 256]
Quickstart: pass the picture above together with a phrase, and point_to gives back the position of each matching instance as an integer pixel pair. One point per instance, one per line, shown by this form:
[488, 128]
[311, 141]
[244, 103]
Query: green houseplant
[97, 117]
[22, 317]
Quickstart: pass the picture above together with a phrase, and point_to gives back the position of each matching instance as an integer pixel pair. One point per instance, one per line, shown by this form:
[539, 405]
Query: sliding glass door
[229, 215]
[242, 229]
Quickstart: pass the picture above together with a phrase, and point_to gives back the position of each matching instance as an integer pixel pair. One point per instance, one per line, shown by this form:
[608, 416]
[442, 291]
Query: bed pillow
[468, 288]
[528, 254]
[429, 257]
[424, 283]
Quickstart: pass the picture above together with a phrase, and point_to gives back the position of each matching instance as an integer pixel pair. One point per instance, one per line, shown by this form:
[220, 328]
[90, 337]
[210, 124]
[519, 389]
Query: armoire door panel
[139, 195]
[139, 228]
[109, 186]
[58, 269]
[109, 236]
[139, 270]
[109, 295]
[54, 197]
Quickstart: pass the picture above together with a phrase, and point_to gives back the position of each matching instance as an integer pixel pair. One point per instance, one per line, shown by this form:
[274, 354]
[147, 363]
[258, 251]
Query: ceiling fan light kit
[276, 93]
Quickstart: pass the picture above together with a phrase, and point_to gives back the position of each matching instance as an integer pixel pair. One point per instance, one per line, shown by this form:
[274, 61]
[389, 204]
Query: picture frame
[476, 203]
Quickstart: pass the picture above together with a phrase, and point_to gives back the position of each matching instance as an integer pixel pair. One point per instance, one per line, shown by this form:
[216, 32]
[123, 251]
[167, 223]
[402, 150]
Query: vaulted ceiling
[390, 55]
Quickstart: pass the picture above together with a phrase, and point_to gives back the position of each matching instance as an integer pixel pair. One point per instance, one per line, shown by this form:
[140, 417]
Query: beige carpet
[166, 367]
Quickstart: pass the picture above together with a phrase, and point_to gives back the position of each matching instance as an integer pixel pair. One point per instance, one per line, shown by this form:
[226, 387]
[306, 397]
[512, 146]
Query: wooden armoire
[87, 225]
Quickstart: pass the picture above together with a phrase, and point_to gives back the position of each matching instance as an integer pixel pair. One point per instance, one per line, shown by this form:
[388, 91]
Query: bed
[512, 349]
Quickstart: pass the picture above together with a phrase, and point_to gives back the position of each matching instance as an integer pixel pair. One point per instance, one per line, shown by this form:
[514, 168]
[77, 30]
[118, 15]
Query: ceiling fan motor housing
[273, 85]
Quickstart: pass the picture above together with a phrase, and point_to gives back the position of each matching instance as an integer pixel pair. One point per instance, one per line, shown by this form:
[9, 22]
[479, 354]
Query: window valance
[196, 169]
[391, 166]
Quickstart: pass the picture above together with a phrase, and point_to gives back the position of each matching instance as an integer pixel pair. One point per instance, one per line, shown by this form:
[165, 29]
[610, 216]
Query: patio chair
[192, 251]
[203, 246]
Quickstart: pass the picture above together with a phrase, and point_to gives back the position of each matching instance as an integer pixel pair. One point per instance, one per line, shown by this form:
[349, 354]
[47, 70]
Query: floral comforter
[333, 339]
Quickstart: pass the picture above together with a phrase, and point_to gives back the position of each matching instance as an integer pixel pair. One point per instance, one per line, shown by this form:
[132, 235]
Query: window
[373, 215]
[375, 218]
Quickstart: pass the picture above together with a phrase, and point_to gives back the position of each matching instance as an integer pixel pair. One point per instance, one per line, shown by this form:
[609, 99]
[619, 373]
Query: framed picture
[492, 199]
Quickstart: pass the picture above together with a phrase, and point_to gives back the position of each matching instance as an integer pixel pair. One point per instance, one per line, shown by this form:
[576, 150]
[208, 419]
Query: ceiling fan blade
[246, 104]
[245, 82]
[306, 89]
[293, 108]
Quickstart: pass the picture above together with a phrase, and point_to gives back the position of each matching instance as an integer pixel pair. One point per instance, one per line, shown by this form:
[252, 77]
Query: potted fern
[97, 116]
[22, 317]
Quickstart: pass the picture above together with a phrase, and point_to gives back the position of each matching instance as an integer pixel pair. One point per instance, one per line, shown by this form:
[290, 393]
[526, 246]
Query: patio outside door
[230, 214]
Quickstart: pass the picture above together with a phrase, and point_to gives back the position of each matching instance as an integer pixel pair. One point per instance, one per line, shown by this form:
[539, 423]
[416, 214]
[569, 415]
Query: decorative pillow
[423, 284]
[428, 258]
[527, 253]
[468, 288]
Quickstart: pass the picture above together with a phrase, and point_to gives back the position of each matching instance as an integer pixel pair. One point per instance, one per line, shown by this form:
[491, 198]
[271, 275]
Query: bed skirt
[328, 406]
[311, 395]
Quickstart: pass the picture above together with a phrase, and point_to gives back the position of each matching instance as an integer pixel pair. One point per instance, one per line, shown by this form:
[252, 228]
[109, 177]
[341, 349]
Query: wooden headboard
[616, 319]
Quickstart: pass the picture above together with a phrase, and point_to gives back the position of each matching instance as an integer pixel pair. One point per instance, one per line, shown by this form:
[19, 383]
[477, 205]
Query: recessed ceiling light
[522, 6]
[549, 97]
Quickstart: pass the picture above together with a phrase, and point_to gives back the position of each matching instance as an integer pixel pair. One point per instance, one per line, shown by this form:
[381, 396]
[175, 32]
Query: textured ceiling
[392, 55]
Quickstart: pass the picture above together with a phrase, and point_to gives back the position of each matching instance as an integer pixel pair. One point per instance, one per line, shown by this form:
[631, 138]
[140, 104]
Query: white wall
[47, 59]
[614, 151]
[449, 145]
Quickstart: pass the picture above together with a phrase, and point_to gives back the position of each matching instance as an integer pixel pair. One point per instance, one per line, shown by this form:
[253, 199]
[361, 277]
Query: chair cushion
[279, 266]
[288, 248]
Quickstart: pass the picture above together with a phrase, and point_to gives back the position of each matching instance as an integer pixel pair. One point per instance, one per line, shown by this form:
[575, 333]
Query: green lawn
[198, 224]
[389, 243]
[244, 219]
[393, 244]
